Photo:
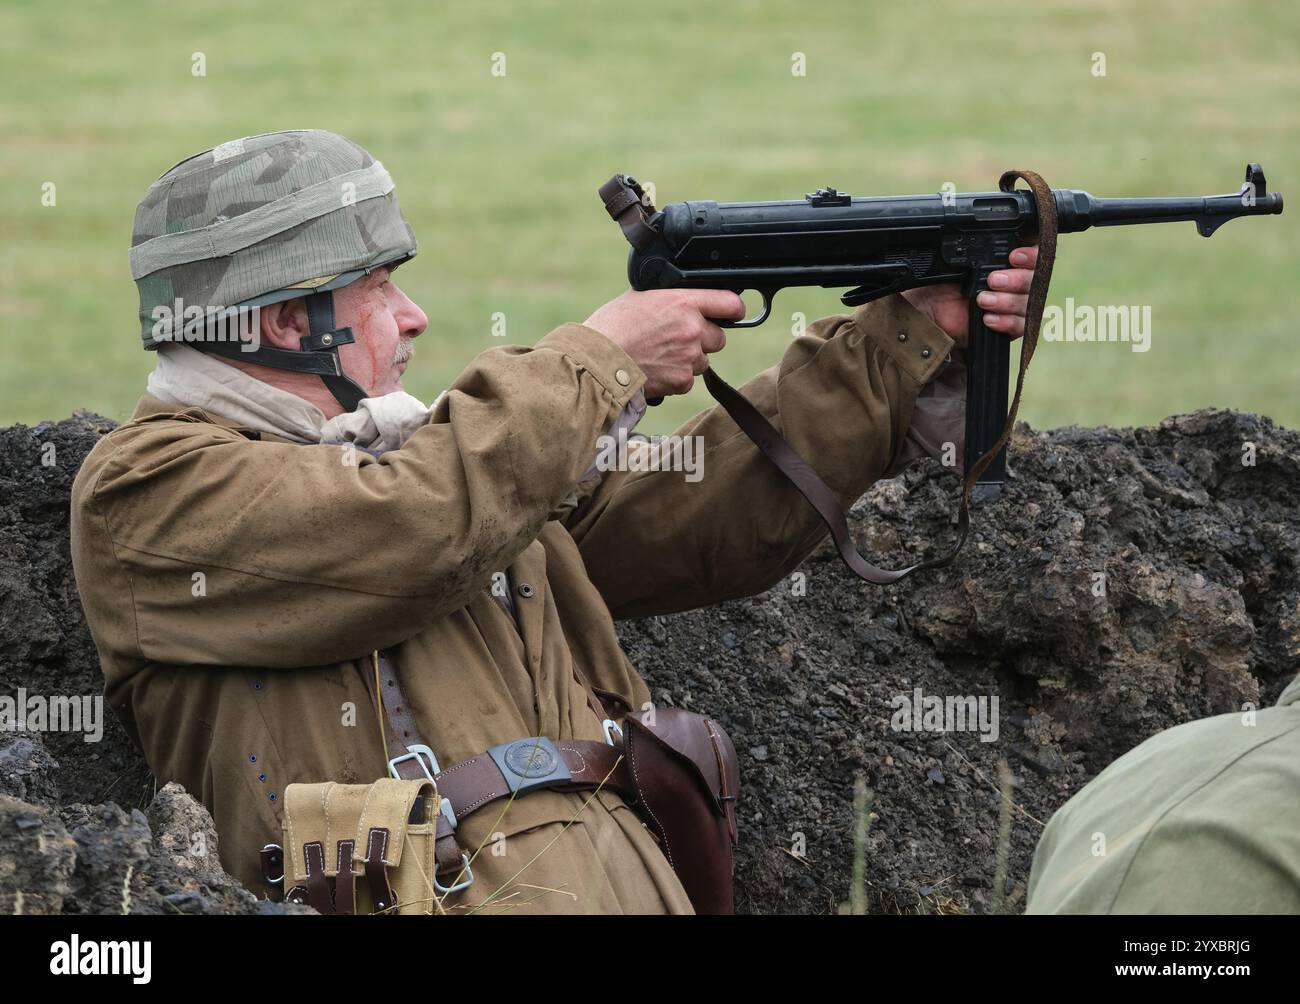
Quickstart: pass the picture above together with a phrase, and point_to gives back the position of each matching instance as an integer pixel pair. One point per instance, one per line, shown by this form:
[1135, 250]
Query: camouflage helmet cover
[263, 219]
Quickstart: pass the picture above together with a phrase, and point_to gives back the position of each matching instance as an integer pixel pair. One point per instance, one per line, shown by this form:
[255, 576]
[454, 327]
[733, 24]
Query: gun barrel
[1079, 210]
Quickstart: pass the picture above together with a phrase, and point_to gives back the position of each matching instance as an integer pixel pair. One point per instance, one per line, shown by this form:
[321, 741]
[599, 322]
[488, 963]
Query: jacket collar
[150, 408]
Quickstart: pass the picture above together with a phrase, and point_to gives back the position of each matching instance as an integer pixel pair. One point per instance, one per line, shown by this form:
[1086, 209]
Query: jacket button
[902, 336]
[623, 377]
[525, 590]
[925, 353]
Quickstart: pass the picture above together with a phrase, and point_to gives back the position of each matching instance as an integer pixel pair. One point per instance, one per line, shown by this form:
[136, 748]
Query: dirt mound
[64, 847]
[1125, 581]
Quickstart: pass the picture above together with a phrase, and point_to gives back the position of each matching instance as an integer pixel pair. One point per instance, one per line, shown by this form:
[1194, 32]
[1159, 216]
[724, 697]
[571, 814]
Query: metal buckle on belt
[529, 764]
[417, 752]
[465, 883]
[608, 726]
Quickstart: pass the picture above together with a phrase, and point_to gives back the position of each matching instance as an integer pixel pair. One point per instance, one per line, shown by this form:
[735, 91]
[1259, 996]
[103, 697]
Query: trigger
[755, 321]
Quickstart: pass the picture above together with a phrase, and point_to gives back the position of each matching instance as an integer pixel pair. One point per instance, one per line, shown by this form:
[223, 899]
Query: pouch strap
[318, 887]
[446, 848]
[377, 871]
[345, 881]
[387, 810]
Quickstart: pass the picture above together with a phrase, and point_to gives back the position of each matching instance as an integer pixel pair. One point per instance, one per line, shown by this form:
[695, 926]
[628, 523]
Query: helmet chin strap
[319, 355]
[323, 337]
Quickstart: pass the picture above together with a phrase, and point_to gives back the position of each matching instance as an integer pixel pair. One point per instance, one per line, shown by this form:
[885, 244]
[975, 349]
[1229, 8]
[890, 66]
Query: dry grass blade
[493, 828]
[984, 777]
[999, 904]
[862, 799]
[565, 829]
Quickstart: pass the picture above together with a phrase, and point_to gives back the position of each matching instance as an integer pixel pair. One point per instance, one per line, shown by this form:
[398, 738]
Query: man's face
[383, 320]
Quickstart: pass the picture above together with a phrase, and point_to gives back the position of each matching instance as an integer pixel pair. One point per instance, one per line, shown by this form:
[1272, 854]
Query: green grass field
[498, 174]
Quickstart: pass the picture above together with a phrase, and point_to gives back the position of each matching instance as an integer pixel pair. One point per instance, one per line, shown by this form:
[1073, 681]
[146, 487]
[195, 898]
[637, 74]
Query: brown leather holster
[685, 778]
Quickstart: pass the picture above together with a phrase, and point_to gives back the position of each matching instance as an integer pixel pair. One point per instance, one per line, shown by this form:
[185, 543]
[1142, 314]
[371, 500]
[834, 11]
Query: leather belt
[510, 769]
[531, 764]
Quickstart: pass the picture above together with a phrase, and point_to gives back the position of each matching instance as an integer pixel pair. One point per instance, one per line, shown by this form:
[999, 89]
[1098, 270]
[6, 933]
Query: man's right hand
[667, 332]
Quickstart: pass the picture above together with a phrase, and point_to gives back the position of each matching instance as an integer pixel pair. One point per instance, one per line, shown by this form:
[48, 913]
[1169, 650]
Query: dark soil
[1126, 580]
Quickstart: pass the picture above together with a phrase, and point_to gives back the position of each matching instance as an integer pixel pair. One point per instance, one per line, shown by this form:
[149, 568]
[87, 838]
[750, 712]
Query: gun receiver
[886, 244]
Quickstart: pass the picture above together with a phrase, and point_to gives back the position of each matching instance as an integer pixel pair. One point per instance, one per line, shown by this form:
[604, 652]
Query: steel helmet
[259, 220]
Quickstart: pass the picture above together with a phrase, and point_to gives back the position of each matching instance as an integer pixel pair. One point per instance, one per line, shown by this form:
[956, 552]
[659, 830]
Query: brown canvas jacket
[236, 585]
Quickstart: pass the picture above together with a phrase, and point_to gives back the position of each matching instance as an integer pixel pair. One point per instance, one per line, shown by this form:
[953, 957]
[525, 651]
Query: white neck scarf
[186, 377]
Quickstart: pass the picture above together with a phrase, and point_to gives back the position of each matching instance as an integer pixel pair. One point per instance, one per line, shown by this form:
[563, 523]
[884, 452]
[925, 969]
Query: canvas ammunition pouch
[360, 848]
[391, 846]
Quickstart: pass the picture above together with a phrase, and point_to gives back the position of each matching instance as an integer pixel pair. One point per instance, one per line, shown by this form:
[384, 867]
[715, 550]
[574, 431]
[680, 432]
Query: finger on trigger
[720, 303]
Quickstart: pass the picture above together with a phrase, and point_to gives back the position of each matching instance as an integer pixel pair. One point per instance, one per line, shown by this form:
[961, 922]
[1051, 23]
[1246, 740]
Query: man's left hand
[1004, 303]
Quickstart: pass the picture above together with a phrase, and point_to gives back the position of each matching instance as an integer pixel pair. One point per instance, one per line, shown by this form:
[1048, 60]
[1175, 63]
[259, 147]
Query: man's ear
[284, 323]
